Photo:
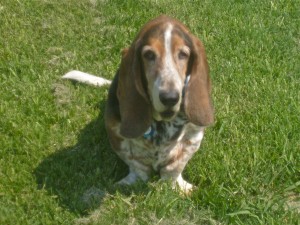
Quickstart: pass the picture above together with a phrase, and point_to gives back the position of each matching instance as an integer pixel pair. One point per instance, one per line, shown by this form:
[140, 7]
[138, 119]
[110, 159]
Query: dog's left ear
[197, 101]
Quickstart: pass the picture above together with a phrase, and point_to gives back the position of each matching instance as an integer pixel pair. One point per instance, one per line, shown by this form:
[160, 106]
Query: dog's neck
[162, 131]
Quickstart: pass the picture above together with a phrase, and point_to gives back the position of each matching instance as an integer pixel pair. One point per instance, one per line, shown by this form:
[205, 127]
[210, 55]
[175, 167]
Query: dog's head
[164, 69]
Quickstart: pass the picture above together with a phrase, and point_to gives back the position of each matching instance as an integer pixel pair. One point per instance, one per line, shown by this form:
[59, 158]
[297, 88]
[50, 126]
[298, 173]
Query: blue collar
[149, 133]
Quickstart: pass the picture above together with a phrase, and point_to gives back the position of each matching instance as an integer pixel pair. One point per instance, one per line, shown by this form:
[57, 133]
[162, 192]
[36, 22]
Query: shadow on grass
[80, 176]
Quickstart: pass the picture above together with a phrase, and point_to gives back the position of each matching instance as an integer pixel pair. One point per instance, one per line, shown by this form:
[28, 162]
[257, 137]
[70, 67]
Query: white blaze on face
[169, 77]
[169, 65]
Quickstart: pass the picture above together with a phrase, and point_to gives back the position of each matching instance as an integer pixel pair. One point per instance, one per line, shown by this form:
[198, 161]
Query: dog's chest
[161, 133]
[158, 145]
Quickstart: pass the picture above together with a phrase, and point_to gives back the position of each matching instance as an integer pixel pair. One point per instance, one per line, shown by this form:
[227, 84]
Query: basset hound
[159, 101]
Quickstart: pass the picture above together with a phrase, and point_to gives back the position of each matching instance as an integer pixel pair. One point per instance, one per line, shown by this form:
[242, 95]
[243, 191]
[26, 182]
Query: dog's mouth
[168, 114]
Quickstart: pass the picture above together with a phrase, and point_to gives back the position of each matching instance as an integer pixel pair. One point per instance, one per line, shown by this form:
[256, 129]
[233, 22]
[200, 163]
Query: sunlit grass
[56, 164]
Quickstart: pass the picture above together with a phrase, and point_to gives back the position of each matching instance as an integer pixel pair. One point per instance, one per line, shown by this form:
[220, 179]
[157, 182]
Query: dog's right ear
[135, 107]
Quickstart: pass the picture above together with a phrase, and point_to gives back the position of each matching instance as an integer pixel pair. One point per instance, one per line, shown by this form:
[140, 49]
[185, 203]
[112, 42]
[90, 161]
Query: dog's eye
[149, 55]
[184, 53]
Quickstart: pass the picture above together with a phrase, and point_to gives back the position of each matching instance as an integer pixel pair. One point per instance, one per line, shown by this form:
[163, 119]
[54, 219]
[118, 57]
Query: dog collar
[149, 133]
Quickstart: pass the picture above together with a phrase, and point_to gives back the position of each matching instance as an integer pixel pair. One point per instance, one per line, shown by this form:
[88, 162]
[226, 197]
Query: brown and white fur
[159, 101]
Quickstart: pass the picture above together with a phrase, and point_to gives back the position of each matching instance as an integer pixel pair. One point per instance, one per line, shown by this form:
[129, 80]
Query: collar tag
[149, 133]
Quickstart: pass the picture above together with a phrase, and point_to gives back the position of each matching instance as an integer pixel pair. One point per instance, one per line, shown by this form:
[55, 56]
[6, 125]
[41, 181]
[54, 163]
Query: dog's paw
[184, 186]
[128, 180]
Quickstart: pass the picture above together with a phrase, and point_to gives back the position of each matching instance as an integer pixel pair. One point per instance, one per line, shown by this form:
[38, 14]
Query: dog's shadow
[80, 176]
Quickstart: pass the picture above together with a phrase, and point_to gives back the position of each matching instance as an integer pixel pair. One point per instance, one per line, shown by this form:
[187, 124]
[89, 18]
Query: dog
[159, 102]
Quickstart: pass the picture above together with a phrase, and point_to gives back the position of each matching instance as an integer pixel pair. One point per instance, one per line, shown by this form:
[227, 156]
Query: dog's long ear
[135, 108]
[197, 103]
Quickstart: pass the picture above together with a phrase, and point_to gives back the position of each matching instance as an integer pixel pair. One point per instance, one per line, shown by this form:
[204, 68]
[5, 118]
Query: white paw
[129, 179]
[183, 185]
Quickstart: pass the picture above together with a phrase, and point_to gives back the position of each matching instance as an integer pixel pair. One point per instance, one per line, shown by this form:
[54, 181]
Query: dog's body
[159, 102]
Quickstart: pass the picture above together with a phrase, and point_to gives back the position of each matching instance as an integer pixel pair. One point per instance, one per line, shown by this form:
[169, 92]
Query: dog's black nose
[169, 98]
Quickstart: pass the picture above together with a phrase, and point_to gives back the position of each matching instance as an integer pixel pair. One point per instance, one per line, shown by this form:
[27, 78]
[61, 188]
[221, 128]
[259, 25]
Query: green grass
[56, 164]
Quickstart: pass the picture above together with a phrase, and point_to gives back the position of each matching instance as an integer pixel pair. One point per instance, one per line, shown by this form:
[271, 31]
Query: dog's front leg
[173, 171]
[136, 171]
[181, 154]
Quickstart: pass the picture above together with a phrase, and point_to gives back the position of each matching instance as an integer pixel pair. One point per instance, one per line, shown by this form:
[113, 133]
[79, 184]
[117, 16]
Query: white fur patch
[197, 137]
[168, 47]
[86, 78]
[184, 185]
[170, 72]
[155, 95]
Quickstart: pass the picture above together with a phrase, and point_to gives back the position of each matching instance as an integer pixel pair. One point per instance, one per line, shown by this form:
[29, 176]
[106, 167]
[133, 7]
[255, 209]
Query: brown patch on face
[181, 55]
[152, 54]
[155, 46]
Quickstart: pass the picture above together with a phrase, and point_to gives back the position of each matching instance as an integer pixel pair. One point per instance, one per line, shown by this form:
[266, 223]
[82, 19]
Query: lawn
[56, 164]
